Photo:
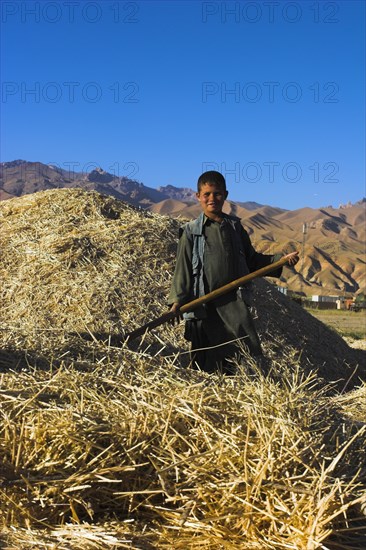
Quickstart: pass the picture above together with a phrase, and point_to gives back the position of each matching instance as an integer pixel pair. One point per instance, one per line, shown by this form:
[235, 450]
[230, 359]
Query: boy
[213, 250]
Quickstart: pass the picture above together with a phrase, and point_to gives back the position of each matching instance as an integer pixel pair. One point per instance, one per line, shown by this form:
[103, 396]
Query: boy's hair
[211, 177]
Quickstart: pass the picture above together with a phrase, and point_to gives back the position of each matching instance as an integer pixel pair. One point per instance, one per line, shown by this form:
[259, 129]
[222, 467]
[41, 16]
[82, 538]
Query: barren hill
[333, 247]
[20, 177]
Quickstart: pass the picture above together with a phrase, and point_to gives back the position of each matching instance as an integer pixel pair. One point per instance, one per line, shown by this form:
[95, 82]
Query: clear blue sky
[270, 93]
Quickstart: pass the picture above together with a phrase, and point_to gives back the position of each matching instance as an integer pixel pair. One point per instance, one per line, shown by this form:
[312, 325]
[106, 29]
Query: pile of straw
[78, 267]
[177, 459]
[315, 345]
[76, 264]
[106, 446]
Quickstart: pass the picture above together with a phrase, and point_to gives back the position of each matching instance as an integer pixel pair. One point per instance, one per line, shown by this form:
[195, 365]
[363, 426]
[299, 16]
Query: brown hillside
[19, 178]
[168, 206]
[333, 249]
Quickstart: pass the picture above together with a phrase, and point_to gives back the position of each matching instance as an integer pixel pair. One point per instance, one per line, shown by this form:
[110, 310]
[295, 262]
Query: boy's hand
[292, 258]
[178, 316]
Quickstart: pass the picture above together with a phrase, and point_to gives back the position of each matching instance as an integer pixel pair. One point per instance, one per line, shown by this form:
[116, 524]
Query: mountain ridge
[36, 170]
[331, 240]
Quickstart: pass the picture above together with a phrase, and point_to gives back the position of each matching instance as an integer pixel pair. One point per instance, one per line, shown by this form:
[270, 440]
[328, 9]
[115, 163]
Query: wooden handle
[190, 306]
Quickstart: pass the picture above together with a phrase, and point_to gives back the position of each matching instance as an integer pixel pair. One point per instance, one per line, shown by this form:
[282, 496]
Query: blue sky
[270, 93]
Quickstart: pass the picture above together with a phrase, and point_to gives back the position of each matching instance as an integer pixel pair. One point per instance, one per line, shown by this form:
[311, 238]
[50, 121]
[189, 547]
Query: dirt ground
[349, 324]
[357, 344]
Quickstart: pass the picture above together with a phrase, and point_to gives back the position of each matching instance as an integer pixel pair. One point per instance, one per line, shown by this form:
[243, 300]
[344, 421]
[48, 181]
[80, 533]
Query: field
[349, 324]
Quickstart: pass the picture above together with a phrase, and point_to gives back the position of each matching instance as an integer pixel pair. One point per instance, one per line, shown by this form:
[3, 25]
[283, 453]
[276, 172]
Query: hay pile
[316, 346]
[80, 265]
[154, 458]
[112, 447]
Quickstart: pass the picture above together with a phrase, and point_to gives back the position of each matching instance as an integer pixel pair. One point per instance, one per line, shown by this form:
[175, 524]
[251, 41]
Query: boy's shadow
[18, 360]
[81, 349]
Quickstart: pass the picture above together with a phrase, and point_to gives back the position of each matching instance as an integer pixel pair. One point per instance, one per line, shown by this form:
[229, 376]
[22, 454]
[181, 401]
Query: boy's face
[212, 198]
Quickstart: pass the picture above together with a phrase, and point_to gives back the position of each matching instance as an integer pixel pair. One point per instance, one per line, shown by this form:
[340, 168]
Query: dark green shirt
[219, 263]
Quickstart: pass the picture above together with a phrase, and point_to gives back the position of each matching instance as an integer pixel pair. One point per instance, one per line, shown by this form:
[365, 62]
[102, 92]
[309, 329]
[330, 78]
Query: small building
[320, 298]
[319, 301]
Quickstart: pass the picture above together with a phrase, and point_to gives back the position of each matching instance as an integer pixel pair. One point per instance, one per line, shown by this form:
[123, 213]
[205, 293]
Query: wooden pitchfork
[190, 306]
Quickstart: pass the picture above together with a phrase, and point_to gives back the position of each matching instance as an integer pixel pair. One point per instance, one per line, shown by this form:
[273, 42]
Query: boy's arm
[180, 289]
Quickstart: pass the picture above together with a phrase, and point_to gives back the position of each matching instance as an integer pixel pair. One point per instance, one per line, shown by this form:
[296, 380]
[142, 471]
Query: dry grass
[350, 324]
[112, 447]
[76, 264]
[199, 460]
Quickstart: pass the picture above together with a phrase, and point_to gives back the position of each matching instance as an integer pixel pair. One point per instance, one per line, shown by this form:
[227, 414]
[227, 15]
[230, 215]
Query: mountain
[20, 177]
[178, 193]
[333, 259]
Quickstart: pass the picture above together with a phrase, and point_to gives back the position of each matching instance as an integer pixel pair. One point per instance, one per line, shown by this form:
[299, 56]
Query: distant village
[319, 301]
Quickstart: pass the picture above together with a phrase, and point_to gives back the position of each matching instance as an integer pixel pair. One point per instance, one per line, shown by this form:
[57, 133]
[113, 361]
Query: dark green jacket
[210, 255]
